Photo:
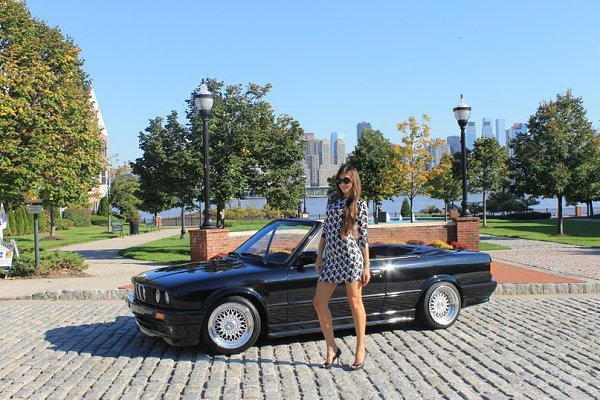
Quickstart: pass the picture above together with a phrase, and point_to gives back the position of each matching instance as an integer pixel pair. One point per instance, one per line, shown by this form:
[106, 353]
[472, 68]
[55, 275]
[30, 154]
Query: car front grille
[150, 295]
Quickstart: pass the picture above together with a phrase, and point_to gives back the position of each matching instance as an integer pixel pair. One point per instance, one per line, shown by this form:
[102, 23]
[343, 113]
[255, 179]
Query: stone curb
[546, 288]
[506, 289]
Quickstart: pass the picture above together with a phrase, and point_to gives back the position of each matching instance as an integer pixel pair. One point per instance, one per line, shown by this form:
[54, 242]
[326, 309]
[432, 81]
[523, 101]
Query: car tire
[440, 306]
[231, 326]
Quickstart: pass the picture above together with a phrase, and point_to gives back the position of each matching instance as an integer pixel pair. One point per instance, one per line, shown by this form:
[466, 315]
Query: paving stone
[508, 348]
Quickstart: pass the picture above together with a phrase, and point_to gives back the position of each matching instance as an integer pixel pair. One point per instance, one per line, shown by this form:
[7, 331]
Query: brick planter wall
[206, 243]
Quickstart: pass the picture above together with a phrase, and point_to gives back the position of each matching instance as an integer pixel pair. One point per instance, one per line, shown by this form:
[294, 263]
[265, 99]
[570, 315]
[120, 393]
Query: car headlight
[157, 296]
[167, 299]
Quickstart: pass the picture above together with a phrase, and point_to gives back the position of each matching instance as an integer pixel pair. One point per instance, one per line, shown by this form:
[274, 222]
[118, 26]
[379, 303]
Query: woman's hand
[318, 265]
[366, 276]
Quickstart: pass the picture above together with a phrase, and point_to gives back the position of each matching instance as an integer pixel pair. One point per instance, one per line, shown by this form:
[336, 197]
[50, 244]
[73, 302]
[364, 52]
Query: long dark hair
[351, 212]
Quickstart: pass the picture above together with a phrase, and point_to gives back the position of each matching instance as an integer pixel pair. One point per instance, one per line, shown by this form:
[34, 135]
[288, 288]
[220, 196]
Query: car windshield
[276, 242]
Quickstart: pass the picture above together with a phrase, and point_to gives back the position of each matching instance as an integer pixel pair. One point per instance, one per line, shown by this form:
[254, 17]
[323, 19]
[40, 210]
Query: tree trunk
[220, 215]
[375, 213]
[590, 208]
[445, 211]
[182, 223]
[484, 210]
[560, 216]
[412, 213]
[52, 222]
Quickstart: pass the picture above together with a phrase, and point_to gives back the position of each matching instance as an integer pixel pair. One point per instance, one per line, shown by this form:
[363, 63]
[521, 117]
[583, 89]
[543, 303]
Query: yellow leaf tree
[412, 157]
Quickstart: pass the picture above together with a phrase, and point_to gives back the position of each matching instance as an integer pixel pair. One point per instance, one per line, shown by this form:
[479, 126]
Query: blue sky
[333, 64]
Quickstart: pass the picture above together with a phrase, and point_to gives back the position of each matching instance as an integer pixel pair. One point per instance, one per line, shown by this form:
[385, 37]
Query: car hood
[205, 271]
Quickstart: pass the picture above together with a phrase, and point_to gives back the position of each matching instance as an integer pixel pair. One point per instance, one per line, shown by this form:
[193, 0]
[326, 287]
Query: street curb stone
[504, 289]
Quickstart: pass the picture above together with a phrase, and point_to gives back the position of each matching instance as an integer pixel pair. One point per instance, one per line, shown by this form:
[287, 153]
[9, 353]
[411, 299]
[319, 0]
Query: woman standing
[344, 240]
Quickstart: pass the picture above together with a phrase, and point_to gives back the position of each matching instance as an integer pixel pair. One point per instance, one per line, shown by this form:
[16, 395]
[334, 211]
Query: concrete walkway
[107, 269]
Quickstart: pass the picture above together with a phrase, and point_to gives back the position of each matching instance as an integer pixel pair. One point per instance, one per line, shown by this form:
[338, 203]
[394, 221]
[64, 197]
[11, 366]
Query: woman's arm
[319, 262]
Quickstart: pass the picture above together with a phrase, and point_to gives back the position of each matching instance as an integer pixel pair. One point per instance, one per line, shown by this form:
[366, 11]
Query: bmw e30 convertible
[266, 287]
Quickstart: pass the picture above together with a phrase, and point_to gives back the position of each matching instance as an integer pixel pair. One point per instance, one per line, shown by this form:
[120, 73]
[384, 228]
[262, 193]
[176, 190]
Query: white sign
[6, 256]
[35, 209]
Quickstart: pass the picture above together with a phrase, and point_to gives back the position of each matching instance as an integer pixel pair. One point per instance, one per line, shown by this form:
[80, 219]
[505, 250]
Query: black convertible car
[266, 286]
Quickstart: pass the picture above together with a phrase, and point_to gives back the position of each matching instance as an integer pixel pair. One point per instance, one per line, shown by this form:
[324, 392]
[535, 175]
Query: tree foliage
[550, 161]
[412, 157]
[50, 138]
[373, 158]
[442, 182]
[487, 168]
[124, 193]
[153, 169]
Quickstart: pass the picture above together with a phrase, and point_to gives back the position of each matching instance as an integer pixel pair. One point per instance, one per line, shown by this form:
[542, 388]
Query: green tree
[547, 161]
[373, 158]
[405, 210]
[103, 207]
[443, 184]
[154, 168]
[413, 157]
[124, 192]
[587, 178]
[487, 168]
[49, 132]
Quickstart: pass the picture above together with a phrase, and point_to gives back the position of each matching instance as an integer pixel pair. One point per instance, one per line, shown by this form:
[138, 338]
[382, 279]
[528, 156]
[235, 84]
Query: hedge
[50, 261]
[525, 215]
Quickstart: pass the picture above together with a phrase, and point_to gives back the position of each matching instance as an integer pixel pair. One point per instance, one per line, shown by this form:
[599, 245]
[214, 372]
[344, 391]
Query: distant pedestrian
[344, 241]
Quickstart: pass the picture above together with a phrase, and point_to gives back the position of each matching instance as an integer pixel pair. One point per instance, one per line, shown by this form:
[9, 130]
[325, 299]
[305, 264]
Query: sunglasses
[345, 181]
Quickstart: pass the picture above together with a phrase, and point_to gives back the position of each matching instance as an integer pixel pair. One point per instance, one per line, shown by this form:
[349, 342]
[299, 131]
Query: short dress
[343, 258]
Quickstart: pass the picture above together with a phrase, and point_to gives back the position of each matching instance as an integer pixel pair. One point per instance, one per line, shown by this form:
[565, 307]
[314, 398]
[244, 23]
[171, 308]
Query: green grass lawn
[175, 250]
[484, 246]
[579, 233]
[71, 236]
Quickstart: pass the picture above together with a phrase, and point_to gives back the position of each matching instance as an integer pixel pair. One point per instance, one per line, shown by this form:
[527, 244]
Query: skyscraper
[454, 144]
[486, 128]
[340, 152]
[470, 134]
[437, 149]
[512, 132]
[359, 129]
[500, 131]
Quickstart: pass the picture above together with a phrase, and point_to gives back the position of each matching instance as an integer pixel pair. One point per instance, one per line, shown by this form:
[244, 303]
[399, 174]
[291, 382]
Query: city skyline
[153, 57]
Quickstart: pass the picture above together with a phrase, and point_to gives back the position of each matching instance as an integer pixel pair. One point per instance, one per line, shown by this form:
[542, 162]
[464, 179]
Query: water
[316, 205]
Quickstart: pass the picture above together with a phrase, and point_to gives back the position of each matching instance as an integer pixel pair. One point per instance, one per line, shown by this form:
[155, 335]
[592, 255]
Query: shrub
[440, 244]
[456, 245]
[50, 262]
[103, 207]
[99, 220]
[431, 209]
[525, 215]
[416, 241]
[79, 216]
[64, 224]
[405, 209]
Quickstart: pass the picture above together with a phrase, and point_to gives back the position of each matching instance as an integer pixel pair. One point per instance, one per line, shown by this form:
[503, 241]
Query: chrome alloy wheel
[444, 305]
[230, 325]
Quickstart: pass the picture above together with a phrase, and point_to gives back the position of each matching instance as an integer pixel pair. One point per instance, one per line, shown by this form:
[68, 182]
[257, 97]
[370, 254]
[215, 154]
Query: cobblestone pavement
[521, 347]
[559, 258]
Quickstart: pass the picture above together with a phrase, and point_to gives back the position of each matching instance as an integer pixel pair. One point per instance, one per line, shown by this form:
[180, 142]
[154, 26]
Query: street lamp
[462, 113]
[204, 103]
[304, 183]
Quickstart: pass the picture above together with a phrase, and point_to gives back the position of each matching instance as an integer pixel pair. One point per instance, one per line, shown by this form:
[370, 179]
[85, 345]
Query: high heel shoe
[337, 355]
[356, 367]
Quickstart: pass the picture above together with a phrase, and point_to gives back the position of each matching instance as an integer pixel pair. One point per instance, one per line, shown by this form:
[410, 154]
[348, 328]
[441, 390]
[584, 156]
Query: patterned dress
[343, 258]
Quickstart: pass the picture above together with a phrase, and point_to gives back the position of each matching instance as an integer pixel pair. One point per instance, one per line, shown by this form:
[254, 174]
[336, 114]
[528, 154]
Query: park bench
[117, 227]
[150, 225]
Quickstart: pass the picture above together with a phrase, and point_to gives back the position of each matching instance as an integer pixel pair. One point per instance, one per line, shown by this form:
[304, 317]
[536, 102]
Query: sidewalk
[107, 270]
[529, 267]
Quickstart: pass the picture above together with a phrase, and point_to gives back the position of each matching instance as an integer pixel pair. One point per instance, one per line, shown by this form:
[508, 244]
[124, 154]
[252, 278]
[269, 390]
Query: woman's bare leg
[354, 293]
[321, 304]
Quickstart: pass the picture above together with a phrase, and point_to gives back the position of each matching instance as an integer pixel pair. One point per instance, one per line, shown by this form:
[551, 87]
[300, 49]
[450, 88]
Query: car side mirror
[308, 257]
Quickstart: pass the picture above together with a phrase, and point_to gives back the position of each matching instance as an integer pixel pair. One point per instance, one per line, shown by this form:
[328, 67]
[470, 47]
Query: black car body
[267, 285]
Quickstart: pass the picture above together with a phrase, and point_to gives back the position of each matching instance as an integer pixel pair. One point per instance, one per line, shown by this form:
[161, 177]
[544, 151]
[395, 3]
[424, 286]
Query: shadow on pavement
[122, 338]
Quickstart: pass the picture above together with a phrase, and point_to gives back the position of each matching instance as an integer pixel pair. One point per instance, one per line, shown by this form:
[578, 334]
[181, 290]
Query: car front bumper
[177, 328]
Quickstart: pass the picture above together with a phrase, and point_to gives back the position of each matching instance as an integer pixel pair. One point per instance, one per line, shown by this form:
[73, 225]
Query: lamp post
[304, 183]
[462, 113]
[204, 103]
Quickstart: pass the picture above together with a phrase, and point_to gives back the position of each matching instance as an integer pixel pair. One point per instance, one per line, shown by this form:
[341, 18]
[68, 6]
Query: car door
[403, 276]
[302, 281]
